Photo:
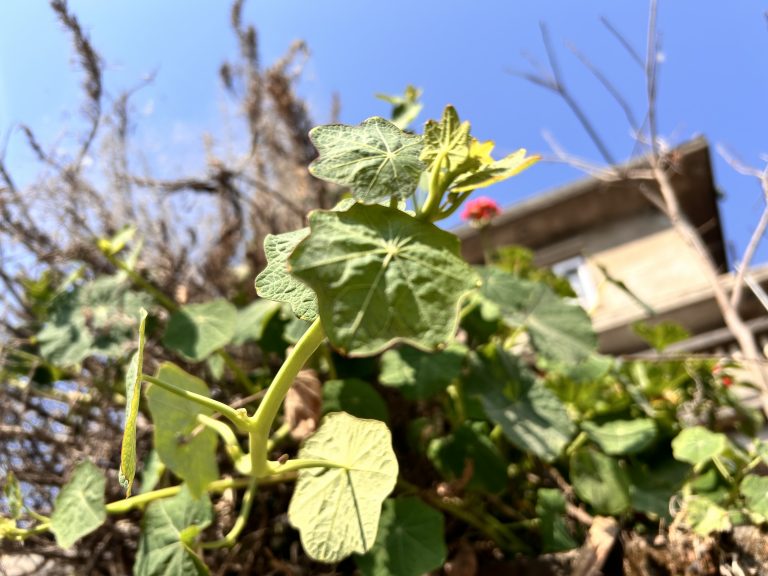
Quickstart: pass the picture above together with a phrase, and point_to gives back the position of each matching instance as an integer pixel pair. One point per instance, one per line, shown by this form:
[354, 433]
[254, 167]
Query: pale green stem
[242, 519]
[226, 433]
[454, 206]
[436, 188]
[303, 463]
[260, 423]
[237, 416]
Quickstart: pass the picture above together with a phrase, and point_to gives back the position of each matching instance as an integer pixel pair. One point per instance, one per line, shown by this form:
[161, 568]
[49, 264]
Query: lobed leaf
[198, 330]
[376, 159]
[448, 139]
[410, 540]
[382, 276]
[336, 510]
[132, 396]
[186, 448]
[276, 283]
[80, 507]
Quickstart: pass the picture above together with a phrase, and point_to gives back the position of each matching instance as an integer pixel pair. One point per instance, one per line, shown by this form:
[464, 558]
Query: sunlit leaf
[382, 276]
[410, 540]
[80, 506]
[198, 330]
[698, 445]
[185, 447]
[275, 283]
[376, 159]
[419, 375]
[336, 510]
[754, 489]
[132, 395]
[620, 437]
[448, 139]
[496, 171]
[706, 517]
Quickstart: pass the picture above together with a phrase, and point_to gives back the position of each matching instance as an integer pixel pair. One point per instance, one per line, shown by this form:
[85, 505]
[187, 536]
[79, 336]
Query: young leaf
[448, 139]
[185, 447]
[559, 330]
[402, 279]
[275, 283]
[376, 159]
[598, 480]
[754, 489]
[80, 506]
[198, 330]
[355, 397]
[621, 437]
[132, 395]
[169, 529]
[410, 540]
[494, 171]
[698, 445]
[337, 510]
[550, 507]
[418, 374]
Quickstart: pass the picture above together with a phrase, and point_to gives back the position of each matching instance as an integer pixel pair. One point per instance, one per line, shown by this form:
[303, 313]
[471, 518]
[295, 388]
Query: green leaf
[192, 457]
[420, 375]
[405, 108]
[599, 480]
[530, 415]
[467, 446]
[151, 472]
[653, 485]
[706, 517]
[376, 159]
[621, 437]
[494, 171]
[410, 540]
[198, 330]
[550, 507]
[337, 510]
[80, 506]
[382, 276]
[559, 330]
[698, 445]
[168, 531]
[355, 397]
[661, 334]
[448, 139]
[132, 395]
[253, 320]
[276, 283]
[754, 489]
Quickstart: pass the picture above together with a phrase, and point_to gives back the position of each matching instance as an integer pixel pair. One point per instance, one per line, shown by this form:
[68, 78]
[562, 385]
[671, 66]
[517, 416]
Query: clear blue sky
[712, 81]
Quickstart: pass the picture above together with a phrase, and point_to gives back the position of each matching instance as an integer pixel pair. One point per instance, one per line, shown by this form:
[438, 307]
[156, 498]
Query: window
[575, 270]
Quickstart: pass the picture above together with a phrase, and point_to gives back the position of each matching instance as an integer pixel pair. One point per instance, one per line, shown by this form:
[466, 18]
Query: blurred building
[624, 259]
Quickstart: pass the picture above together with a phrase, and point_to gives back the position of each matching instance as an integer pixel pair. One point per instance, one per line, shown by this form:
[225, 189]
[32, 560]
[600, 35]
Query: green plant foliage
[169, 531]
[198, 330]
[376, 159]
[275, 282]
[185, 447]
[660, 335]
[468, 446]
[447, 141]
[550, 507]
[337, 510]
[488, 171]
[405, 108]
[420, 375]
[653, 485]
[97, 318]
[403, 278]
[559, 330]
[151, 472]
[600, 481]
[252, 321]
[754, 489]
[356, 397]
[409, 542]
[132, 395]
[529, 414]
[80, 506]
[698, 445]
[621, 437]
[705, 517]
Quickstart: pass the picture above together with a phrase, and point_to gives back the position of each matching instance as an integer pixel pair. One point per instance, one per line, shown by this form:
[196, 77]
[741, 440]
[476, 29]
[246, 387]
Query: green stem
[303, 463]
[260, 423]
[458, 201]
[237, 417]
[242, 519]
[436, 189]
[226, 433]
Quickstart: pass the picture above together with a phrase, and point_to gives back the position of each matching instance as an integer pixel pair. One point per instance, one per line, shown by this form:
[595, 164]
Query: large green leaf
[191, 457]
[382, 276]
[560, 330]
[198, 330]
[410, 540]
[550, 507]
[468, 446]
[418, 374]
[132, 396]
[529, 414]
[754, 489]
[169, 531]
[337, 510]
[275, 282]
[355, 397]
[697, 445]
[620, 437]
[376, 159]
[252, 321]
[80, 507]
[599, 480]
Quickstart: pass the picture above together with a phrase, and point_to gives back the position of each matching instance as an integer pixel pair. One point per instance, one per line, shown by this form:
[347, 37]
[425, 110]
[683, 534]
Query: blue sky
[712, 80]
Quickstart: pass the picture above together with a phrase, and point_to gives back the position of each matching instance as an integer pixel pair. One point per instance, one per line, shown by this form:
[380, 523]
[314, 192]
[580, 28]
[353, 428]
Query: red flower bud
[480, 211]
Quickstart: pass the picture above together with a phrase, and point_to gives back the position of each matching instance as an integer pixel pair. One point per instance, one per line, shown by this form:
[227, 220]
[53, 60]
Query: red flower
[480, 211]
